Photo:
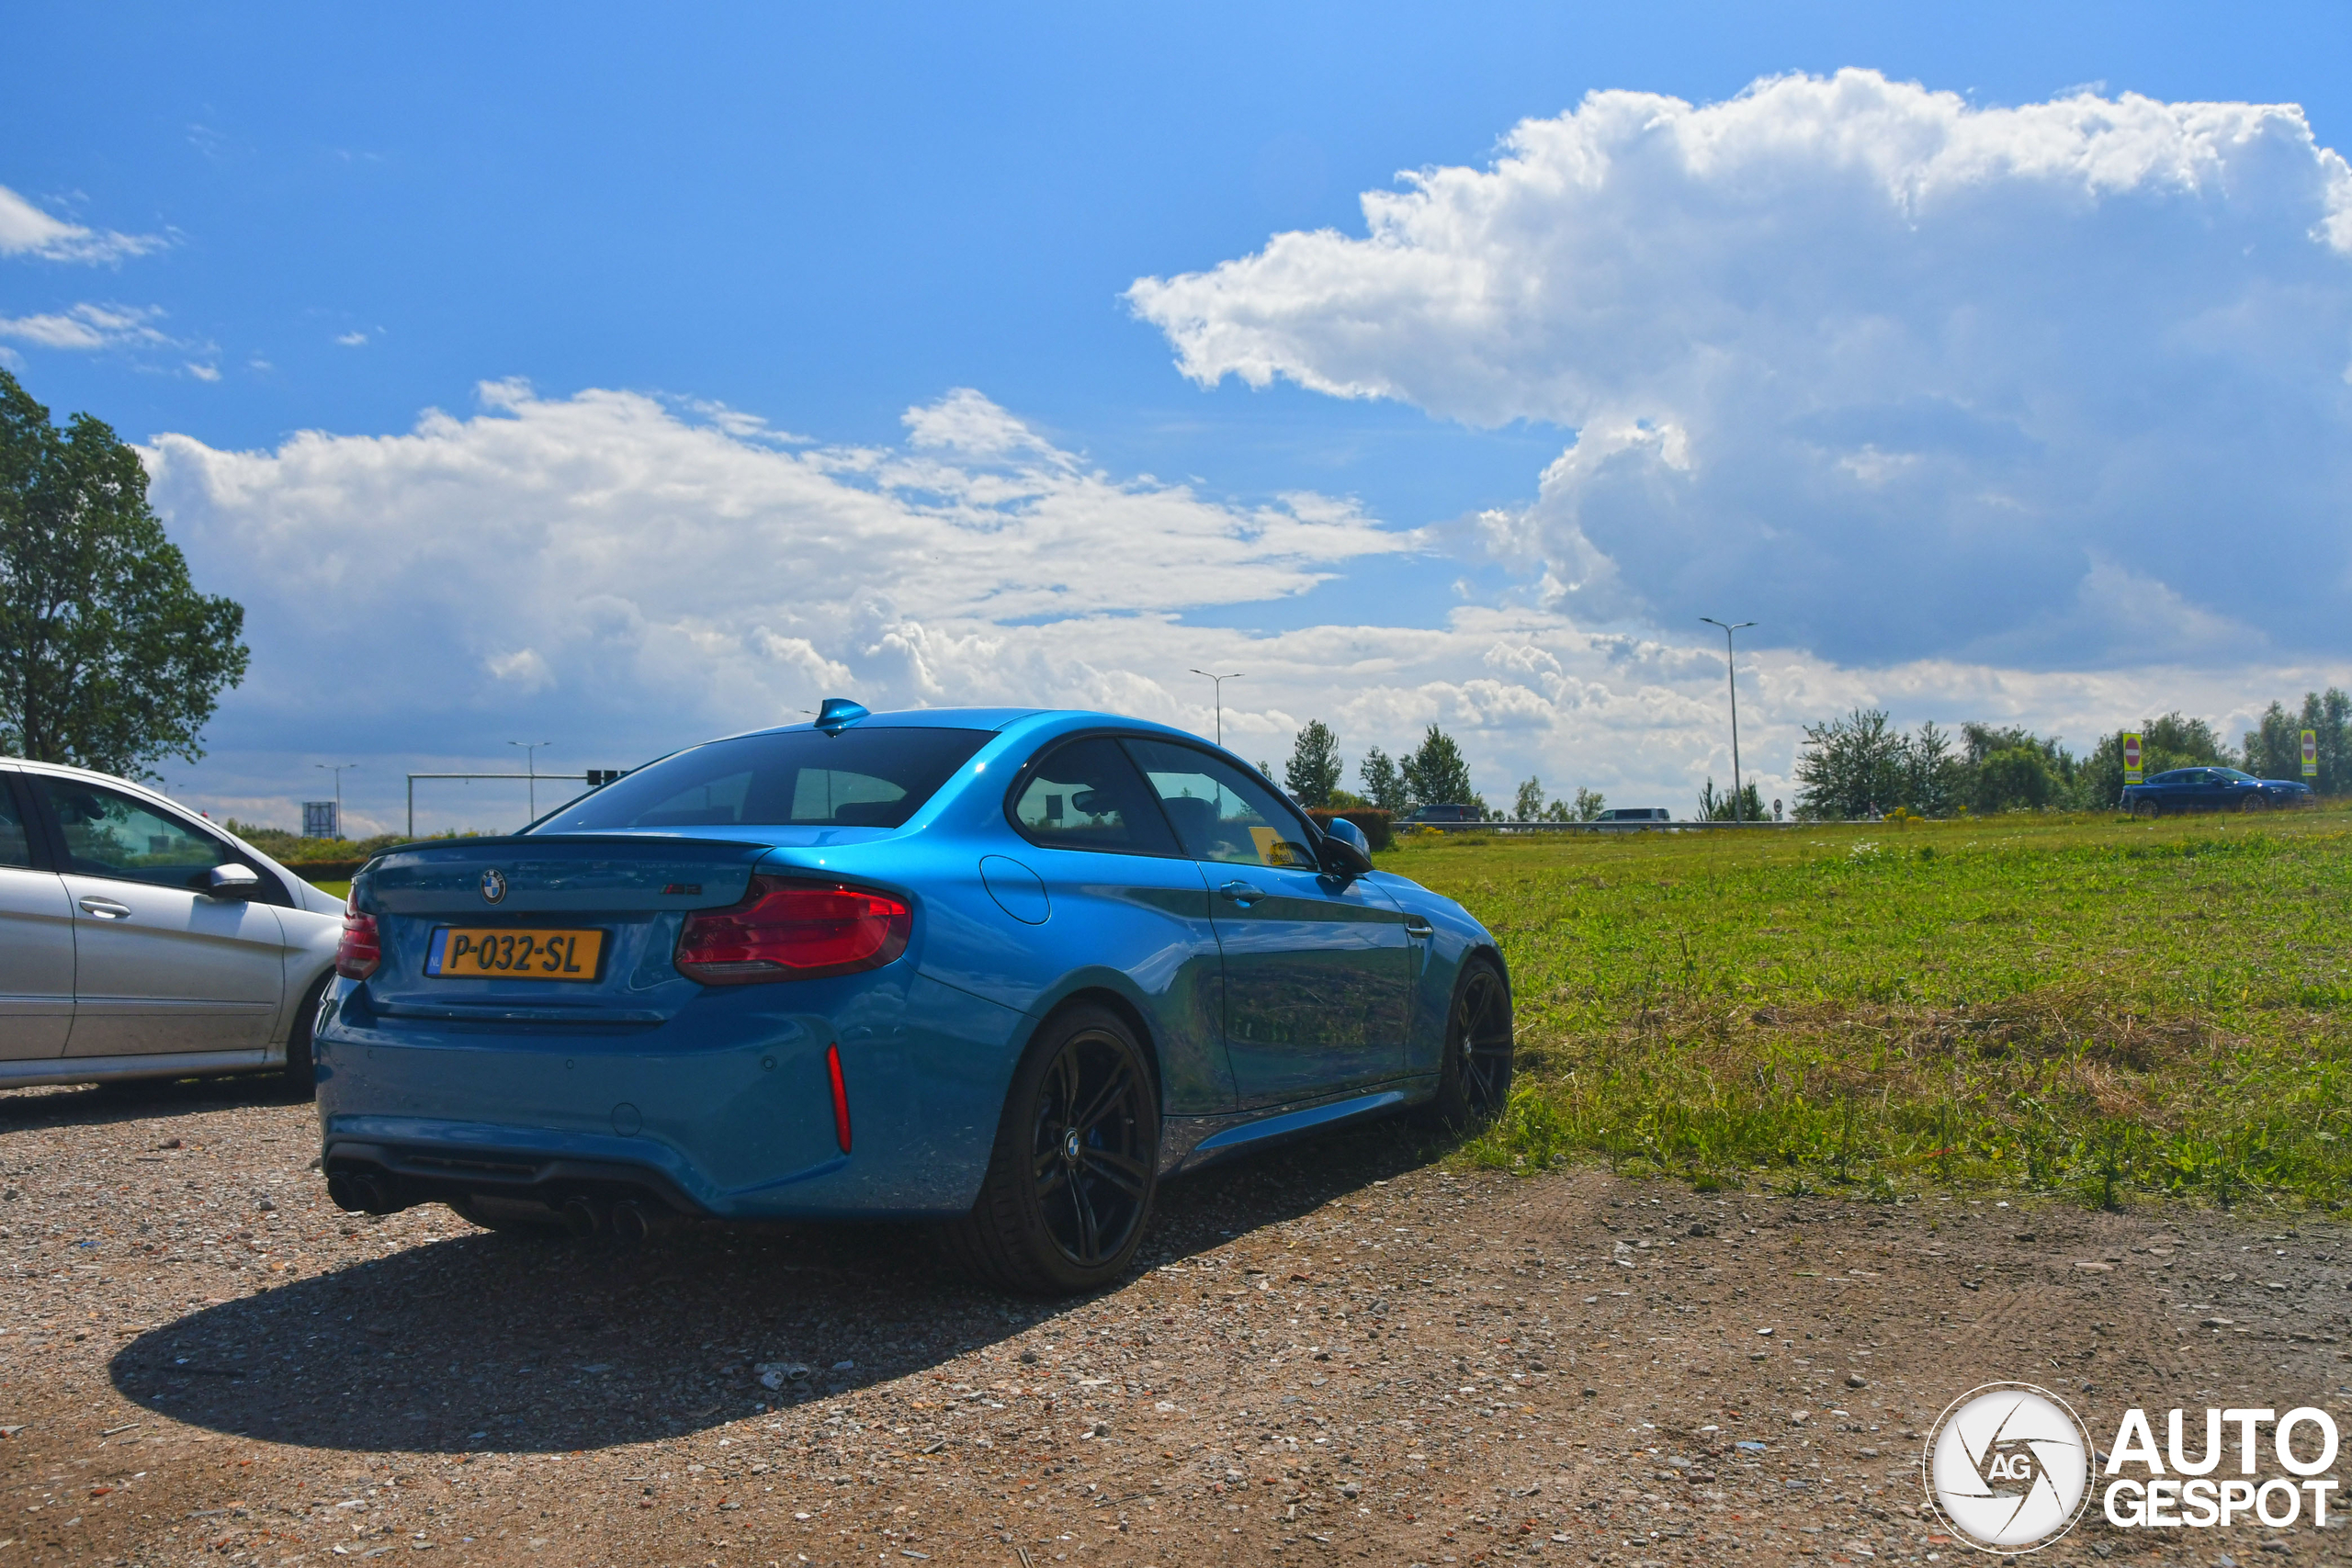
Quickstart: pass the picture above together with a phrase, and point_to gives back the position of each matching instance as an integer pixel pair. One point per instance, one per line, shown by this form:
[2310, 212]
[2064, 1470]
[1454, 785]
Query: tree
[109, 659]
[1717, 808]
[1935, 782]
[2275, 750]
[1385, 782]
[1850, 765]
[1315, 769]
[1589, 806]
[1435, 773]
[1529, 805]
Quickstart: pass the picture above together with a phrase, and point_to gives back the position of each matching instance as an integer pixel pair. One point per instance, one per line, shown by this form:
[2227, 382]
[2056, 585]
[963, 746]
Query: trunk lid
[634, 890]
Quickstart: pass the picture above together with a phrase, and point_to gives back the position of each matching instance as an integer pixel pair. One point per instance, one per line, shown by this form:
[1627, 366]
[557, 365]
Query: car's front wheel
[1071, 1181]
[1473, 1082]
[2254, 802]
[2147, 810]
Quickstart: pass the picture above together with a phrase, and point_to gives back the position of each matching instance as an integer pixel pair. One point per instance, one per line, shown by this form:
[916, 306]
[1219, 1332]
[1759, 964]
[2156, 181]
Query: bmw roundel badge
[493, 886]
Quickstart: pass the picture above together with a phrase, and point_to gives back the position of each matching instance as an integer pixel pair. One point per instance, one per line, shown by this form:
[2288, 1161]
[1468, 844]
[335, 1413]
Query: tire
[2147, 810]
[2254, 805]
[302, 1070]
[1071, 1179]
[1473, 1081]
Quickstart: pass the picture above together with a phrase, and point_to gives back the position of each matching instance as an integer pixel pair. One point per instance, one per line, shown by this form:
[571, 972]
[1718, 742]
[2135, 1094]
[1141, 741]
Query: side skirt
[106, 1069]
[1188, 1143]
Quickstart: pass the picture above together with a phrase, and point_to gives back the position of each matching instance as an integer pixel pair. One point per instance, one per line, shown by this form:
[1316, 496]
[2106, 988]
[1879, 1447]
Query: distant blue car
[2183, 790]
[1007, 968]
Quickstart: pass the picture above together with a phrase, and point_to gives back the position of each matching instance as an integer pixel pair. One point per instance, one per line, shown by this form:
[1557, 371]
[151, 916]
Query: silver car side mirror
[233, 883]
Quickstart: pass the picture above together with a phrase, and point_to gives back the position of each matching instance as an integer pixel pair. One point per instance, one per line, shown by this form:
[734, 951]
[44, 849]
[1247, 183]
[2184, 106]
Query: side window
[1221, 813]
[16, 843]
[112, 835]
[1086, 796]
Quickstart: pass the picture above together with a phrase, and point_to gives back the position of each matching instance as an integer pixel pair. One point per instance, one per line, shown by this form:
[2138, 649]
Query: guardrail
[1492, 826]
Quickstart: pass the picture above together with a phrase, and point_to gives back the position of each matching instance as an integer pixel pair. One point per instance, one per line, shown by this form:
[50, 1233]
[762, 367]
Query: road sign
[321, 819]
[2131, 757]
[2310, 753]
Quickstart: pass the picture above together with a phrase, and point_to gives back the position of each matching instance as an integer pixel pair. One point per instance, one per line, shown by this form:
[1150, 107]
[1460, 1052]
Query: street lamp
[531, 770]
[1218, 682]
[1734, 675]
[337, 770]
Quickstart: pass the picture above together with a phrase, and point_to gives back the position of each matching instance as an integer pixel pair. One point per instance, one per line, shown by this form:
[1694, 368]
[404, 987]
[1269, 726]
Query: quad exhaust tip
[582, 1217]
[361, 1193]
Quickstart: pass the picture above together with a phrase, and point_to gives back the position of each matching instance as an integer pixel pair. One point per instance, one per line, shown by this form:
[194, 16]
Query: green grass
[2071, 1004]
[339, 889]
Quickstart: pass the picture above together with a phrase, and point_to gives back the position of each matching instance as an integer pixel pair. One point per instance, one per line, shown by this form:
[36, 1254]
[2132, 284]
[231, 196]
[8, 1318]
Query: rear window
[859, 778]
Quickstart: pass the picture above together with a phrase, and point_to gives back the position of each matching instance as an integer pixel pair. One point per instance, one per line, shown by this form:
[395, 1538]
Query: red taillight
[793, 930]
[841, 1096]
[359, 951]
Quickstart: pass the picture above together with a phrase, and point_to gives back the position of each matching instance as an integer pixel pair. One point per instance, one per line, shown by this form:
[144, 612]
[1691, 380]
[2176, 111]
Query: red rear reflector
[359, 950]
[793, 930]
[840, 1097]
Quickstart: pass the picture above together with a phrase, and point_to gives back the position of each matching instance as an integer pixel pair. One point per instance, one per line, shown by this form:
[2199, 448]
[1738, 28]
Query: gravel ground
[1343, 1351]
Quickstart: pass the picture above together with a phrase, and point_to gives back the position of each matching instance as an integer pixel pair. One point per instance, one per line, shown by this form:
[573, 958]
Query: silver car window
[108, 834]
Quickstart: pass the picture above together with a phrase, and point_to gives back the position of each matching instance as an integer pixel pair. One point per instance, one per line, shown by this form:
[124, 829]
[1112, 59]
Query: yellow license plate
[470, 954]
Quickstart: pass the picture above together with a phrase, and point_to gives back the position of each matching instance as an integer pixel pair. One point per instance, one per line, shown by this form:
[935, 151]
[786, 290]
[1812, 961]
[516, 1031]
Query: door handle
[1240, 893]
[105, 908]
[1417, 927]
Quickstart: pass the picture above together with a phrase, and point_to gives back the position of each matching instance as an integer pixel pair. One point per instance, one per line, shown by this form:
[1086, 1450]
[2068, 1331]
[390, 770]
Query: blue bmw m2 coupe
[999, 967]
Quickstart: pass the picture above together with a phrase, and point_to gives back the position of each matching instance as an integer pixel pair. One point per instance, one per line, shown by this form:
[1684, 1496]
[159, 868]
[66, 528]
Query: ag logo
[2008, 1466]
[493, 886]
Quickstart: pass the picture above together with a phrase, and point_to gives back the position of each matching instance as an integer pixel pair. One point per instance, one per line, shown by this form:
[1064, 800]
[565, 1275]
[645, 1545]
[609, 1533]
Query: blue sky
[821, 218]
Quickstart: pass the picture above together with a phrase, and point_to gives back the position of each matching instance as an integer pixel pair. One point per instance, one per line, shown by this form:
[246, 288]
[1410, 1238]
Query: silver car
[137, 939]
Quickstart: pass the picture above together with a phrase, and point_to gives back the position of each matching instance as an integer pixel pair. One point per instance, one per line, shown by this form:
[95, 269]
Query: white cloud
[87, 327]
[632, 560]
[352, 339]
[27, 231]
[623, 577]
[1900, 376]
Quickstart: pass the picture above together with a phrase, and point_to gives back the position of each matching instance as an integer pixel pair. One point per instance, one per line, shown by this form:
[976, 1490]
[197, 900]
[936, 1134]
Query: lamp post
[1217, 681]
[337, 770]
[531, 770]
[1732, 674]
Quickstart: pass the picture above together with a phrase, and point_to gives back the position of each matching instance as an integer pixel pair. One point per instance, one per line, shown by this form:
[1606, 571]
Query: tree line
[1860, 764]
[1432, 774]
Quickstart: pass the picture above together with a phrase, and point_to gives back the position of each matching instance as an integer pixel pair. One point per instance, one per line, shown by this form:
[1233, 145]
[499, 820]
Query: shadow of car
[487, 1342]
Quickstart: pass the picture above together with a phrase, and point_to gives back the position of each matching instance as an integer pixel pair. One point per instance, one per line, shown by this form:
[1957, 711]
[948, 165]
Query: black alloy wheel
[2147, 810]
[1473, 1082]
[2254, 802]
[1069, 1184]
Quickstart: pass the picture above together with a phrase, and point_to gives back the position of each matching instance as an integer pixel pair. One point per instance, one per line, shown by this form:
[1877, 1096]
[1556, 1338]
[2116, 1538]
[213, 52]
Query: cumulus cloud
[1902, 378]
[666, 571]
[85, 327]
[634, 575]
[27, 231]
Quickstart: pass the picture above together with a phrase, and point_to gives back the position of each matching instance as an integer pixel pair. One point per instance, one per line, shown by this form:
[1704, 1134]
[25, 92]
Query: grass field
[2083, 1005]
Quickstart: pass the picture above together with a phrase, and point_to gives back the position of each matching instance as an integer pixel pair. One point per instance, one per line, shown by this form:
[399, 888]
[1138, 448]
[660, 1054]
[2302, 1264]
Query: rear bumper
[723, 1110]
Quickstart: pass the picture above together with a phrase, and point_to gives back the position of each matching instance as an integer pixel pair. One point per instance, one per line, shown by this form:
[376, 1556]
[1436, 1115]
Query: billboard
[321, 819]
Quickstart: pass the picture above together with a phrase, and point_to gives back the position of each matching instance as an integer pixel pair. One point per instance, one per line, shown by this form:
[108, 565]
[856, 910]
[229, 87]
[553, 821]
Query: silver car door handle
[105, 908]
[1240, 893]
[1417, 927]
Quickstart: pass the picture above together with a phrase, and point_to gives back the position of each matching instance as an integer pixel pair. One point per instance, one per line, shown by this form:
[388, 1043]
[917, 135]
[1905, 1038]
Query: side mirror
[231, 884]
[1346, 852]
